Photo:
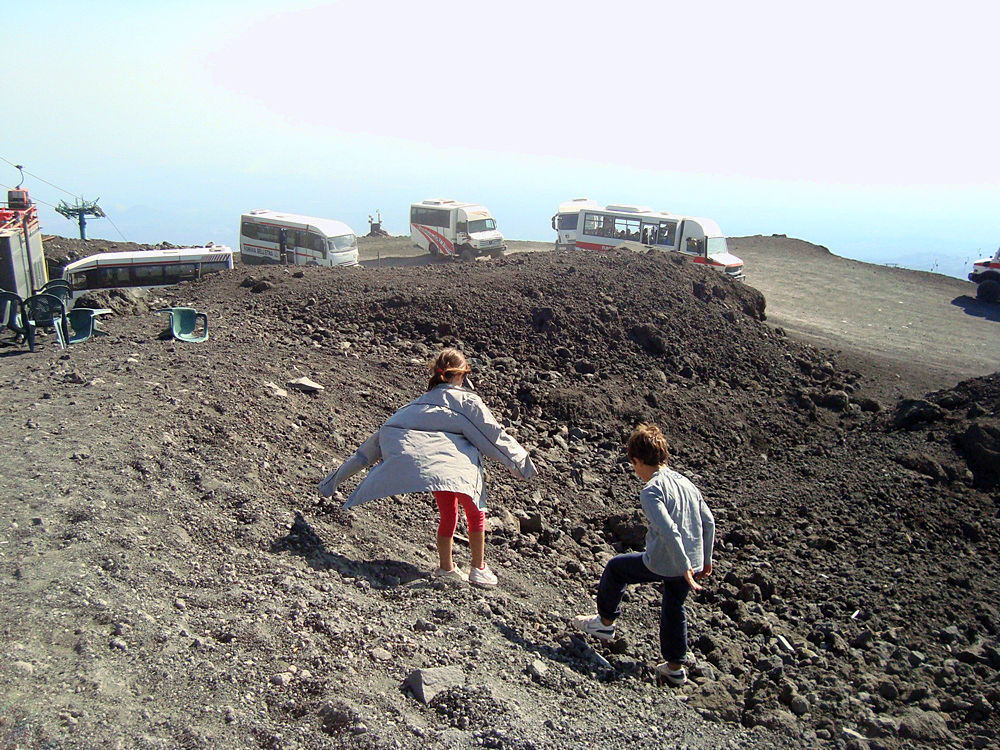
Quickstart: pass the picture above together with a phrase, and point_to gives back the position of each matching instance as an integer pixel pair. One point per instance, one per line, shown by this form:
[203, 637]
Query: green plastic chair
[47, 310]
[53, 284]
[61, 290]
[184, 324]
[13, 316]
[83, 324]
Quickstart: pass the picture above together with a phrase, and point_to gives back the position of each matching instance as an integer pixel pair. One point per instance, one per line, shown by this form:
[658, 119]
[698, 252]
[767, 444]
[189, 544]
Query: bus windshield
[482, 225]
[568, 221]
[344, 242]
[717, 245]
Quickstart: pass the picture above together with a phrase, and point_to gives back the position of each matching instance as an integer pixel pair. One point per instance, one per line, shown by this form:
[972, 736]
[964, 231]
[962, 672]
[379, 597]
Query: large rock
[925, 726]
[913, 411]
[982, 448]
[426, 683]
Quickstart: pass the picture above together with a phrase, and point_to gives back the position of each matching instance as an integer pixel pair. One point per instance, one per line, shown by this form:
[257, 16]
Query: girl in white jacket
[435, 443]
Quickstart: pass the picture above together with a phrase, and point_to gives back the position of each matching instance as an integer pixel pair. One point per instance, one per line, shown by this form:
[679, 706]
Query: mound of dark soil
[200, 592]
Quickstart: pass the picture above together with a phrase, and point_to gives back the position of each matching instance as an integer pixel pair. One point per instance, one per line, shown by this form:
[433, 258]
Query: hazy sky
[865, 127]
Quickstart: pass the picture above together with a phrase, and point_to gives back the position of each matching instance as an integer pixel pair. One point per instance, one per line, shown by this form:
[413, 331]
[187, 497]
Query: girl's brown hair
[649, 445]
[446, 365]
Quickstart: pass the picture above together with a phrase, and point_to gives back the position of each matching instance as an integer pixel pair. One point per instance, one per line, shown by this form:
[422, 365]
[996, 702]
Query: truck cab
[447, 228]
[986, 273]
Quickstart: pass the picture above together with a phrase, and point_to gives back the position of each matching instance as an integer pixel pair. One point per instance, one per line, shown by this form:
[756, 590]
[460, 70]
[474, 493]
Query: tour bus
[565, 221]
[270, 237]
[146, 268]
[609, 227]
[448, 228]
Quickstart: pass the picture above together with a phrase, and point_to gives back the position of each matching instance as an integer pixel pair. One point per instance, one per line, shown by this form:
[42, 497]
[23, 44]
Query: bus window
[188, 271]
[106, 278]
[148, 275]
[249, 230]
[482, 225]
[668, 231]
[344, 242]
[568, 221]
[626, 229]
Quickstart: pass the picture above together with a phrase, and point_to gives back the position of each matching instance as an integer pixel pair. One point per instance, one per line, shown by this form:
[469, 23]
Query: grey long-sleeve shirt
[681, 526]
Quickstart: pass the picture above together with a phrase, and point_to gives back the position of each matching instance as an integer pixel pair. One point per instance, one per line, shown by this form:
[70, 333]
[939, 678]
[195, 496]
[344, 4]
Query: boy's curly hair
[648, 444]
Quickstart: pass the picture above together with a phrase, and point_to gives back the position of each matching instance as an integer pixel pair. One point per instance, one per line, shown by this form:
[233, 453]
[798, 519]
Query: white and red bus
[452, 229]
[271, 237]
[142, 269]
[615, 225]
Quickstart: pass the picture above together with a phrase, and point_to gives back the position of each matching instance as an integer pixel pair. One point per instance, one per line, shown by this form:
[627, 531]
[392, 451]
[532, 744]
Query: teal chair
[53, 284]
[83, 324]
[62, 291]
[47, 311]
[184, 324]
[13, 316]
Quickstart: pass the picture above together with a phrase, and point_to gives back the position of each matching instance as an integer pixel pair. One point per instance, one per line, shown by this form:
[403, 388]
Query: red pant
[448, 506]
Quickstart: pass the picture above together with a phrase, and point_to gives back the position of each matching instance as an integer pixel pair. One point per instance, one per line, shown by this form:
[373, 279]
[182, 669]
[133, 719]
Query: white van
[566, 219]
[270, 237]
[452, 229]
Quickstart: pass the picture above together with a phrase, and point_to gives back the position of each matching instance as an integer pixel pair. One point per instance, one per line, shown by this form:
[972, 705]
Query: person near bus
[435, 444]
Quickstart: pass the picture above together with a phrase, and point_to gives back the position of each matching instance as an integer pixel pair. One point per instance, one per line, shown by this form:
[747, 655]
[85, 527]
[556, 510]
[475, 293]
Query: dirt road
[928, 327]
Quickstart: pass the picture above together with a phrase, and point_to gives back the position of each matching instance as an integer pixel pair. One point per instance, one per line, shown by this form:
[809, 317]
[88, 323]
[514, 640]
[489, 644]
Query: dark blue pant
[623, 570]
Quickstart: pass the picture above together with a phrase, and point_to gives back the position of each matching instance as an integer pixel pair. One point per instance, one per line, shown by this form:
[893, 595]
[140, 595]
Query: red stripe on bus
[437, 238]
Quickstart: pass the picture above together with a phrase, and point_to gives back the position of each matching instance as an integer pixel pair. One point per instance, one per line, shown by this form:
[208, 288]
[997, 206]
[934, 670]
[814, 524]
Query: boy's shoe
[482, 576]
[674, 677]
[592, 625]
[455, 574]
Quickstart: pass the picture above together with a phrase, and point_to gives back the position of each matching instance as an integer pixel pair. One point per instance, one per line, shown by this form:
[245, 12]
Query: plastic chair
[52, 284]
[61, 290]
[47, 310]
[184, 323]
[83, 324]
[12, 316]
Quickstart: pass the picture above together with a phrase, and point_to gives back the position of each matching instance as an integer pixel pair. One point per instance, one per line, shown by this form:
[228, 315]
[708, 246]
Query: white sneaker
[674, 677]
[455, 574]
[482, 576]
[592, 625]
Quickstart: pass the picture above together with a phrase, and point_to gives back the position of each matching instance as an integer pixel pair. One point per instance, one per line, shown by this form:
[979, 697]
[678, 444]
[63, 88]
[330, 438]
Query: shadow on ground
[972, 306]
[303, 540]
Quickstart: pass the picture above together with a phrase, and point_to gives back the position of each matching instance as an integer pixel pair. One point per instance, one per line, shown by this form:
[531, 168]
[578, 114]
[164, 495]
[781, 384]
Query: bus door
[286, 249]
[693, 239]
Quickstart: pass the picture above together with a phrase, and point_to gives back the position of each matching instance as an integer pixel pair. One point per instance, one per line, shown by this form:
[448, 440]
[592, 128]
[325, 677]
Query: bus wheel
[468, 254]
[988, 291]
[495, 254]
[433, 249]
[312, 263]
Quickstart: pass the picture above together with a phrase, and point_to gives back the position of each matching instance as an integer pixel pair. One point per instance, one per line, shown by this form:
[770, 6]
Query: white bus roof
[576, 205]
[710, 227]
[449, 204]
[328, 227]
[180, 253]
[626, 209]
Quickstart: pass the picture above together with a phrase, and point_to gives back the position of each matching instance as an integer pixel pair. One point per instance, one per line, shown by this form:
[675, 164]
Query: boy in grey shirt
[678, 551]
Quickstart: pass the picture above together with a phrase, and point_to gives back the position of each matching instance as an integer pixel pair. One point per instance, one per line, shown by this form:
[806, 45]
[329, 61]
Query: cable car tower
[80, 210]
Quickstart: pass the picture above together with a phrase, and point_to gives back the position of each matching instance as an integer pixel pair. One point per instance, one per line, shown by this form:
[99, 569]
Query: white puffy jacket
[435, 442]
